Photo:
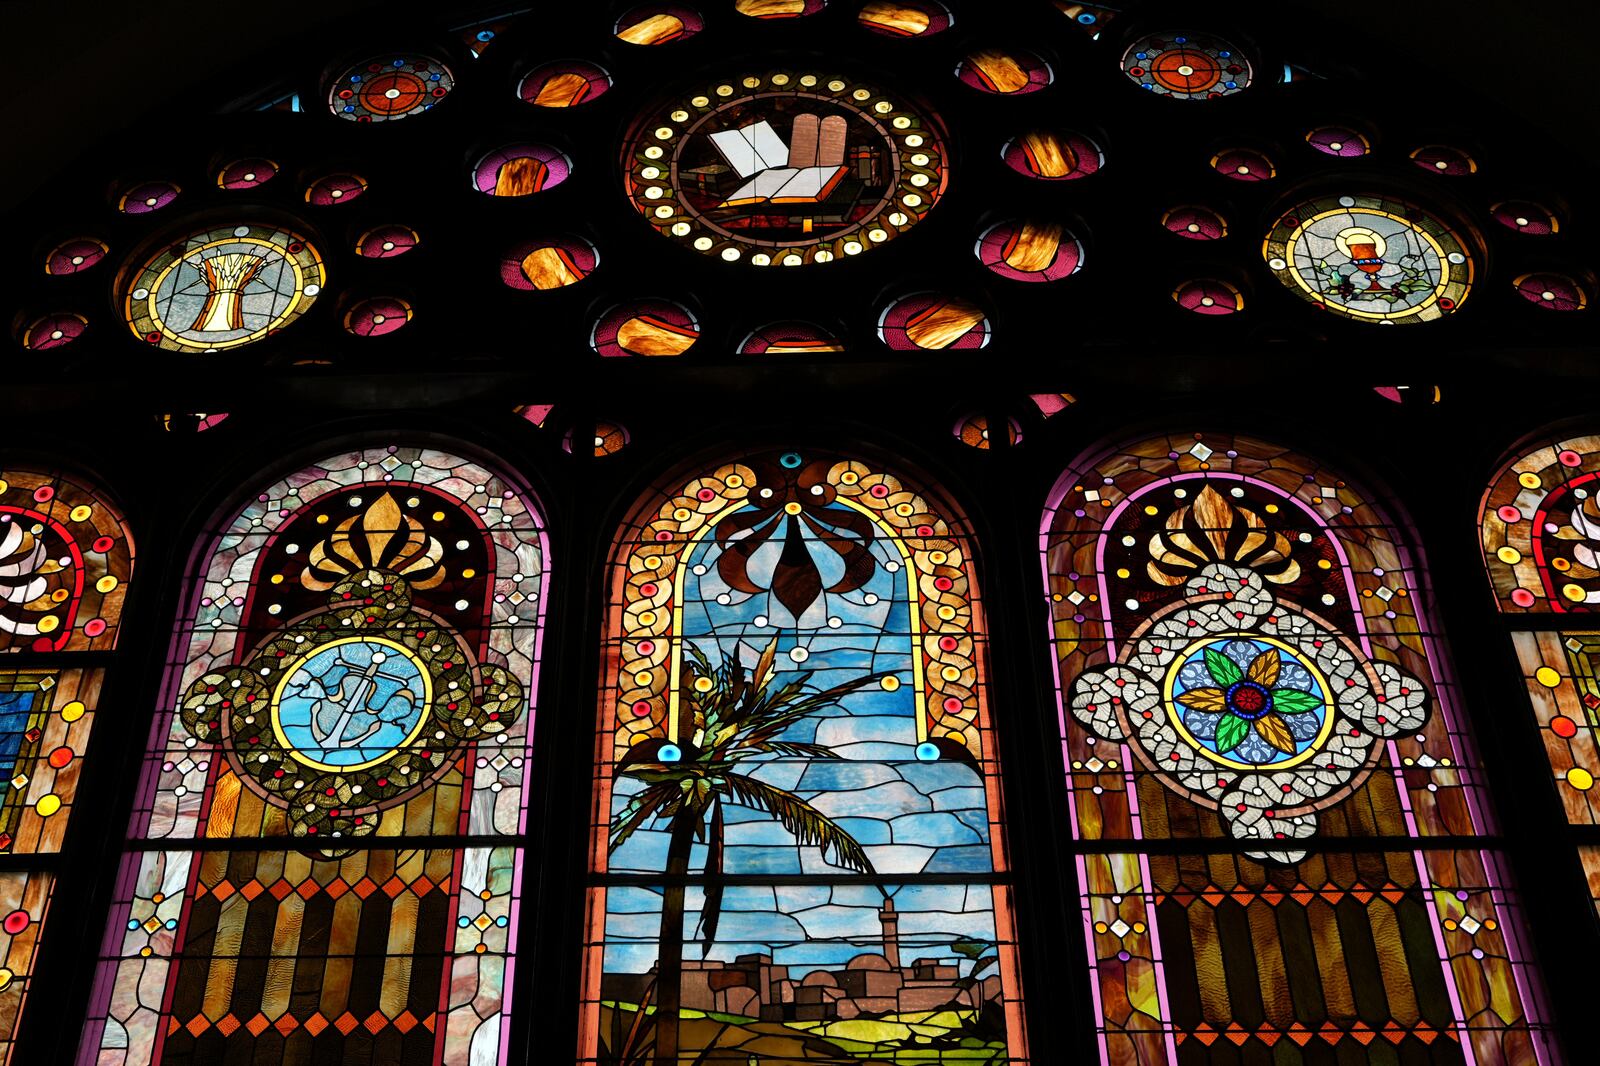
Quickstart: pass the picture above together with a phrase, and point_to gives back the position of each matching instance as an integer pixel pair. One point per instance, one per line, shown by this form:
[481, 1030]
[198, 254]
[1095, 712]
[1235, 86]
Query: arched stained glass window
[65, 562]
[797, 841]
[1540, 525]
[325, 857]
[1269, 783]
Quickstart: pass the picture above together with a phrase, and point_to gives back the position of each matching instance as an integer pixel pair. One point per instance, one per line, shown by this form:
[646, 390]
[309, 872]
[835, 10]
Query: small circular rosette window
[567, 83]
[69, 257]
[647, 327]
[927, 321]
[521, 170]
[1053, 155]
[651, 24]
[147, 197]
[1371, 259]
[548, 263]
[1250, 706]
[1195, 223]
[1030, 250]
[389, 88]
[1187, 66]
[1010, 72]
[785, 169]
[904, 18]
[246, 173]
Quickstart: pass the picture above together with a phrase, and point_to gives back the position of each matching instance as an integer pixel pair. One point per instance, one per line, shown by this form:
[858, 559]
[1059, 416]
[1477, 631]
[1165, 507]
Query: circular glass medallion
[1248, 702]
[904, 18]
[567, 83]
[785, 169]
[1370, 258]
[1053, 155]
[80, 253]
[1030, 250]
[220, 288]
[389, 88]
[1186, 66]
[351, 703]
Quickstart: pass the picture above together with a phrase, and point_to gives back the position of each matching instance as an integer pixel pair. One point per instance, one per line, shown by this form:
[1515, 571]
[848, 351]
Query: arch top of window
[66, 559]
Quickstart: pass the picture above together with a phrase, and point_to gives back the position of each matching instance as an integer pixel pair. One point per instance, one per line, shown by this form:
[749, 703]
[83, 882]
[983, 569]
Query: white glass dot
[799, 654]
[870, 598]
[1347, 201]
[391, 94]
[1131, 604]
[388, 246]
[461, 605]
[336, 193]
[761, 621]
[312, 290]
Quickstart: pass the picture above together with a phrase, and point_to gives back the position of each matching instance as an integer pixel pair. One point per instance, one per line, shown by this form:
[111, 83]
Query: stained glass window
[326, 847]
[223, 287]
[549, 263]
[1539, 529]
[797, 843]
[567, 83]
[520, 170]
[785, 168]
[1267, 771]
[1053, 155]
[80, 253]
[1187, 66]
[1005, 73]
[1371, 259]
[1029, 250]
[65, 563]
[1551, 291]
[389, 88]
[930, 321]
[645, 327]
[904, 18]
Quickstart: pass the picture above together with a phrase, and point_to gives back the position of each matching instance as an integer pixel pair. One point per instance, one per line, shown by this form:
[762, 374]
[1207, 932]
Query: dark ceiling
[77, 77]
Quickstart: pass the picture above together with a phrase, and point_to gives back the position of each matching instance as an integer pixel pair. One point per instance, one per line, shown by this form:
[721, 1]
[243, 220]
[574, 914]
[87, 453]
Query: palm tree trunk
[669, 962]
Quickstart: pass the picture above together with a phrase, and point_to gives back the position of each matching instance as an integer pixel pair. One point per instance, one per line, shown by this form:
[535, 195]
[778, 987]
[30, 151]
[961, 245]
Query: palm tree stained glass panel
[797, 832]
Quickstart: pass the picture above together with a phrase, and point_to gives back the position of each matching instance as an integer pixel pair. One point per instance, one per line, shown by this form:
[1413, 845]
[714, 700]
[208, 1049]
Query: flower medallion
[1250, 706]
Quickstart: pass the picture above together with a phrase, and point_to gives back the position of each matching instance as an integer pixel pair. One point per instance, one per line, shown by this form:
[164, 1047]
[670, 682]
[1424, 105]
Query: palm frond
[638, 811]
[785, 747]
[804, 822]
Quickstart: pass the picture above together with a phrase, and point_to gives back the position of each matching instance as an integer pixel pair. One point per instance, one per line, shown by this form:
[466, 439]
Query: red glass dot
[94, 627]
[43, 494]
[952, 704]
[60, 757]
[1570, 458]
[1508, 513]
[1562, 726]
[641, 708]
[17, 921]
[103, 544]
[947, 643]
